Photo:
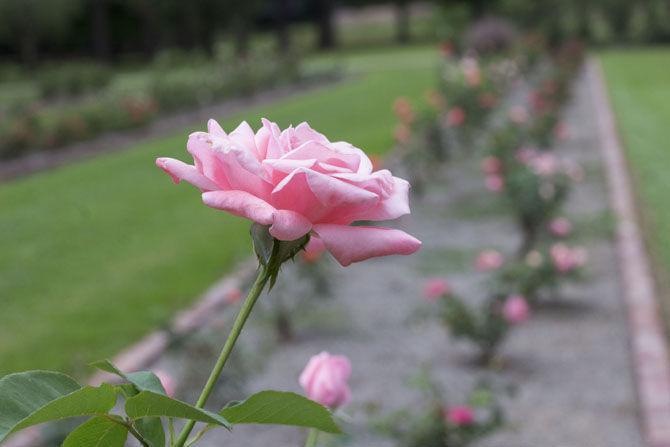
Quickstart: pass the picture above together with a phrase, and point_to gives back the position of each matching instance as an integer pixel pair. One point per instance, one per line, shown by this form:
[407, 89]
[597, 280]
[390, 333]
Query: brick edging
[647, 334]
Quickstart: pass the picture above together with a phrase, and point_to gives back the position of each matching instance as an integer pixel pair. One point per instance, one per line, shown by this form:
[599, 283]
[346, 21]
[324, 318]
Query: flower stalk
[245, 311]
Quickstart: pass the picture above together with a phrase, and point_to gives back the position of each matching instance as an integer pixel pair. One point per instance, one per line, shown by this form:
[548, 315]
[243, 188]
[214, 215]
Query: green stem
[252, 297]
[312, 438]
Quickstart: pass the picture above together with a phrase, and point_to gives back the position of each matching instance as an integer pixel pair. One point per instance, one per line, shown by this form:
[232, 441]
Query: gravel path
[570, 364]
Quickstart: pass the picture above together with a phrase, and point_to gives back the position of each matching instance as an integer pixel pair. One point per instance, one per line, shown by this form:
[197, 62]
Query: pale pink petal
[179, 170]
[352, 244]
[206, 159]
[241, 203]
[320, 197]
[289, 225]
[214, 128]
[244, 136]
[393, 190]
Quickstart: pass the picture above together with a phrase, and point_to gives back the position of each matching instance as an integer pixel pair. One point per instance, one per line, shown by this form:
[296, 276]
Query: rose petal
[241, 203]
[179, 170]
[352, 244]
[317, 196]
[289, 225]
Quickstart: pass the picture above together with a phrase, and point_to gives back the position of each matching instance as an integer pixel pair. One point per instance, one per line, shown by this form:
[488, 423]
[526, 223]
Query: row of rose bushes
[302, 192]
[46, 125]
[534, 183]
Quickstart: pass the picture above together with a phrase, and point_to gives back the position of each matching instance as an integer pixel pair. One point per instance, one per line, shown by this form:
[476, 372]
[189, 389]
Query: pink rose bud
[436, 288]
[516, 310]
[471, 72]
[314, 250]
[455, 117]
[567, 259]
[491, 165]
[460, 416]
[518, 115]
[495, 183]
[526, 154]
[298, 182]
[324, 379]
[560, 227]
[403, 110]
[489, 260]
[544, 164]
[233, 295]
[167, 381]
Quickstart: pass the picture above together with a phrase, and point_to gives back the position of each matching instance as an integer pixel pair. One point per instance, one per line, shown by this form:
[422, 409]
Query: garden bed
[569, 367]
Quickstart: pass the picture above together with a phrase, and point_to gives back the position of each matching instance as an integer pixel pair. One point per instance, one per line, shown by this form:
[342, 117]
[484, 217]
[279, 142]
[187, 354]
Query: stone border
[647, 334]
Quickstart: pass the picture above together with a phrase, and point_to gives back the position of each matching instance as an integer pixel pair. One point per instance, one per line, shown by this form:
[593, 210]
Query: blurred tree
[27, 23]
[402, 14]
[325, 20]
[100, 37]
[282, 15]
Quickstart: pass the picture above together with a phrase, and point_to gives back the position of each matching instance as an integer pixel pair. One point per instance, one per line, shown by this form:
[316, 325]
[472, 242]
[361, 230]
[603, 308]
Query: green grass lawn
[639, 86]
[98, 253]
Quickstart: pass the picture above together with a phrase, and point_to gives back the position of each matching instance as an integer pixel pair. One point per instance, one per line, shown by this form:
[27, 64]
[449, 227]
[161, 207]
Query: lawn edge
[647, 335]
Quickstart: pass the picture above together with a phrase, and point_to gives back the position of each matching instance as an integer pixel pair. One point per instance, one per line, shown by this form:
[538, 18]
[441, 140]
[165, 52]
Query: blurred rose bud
[489, 260]
[325, 378]
[403, 110]
[233, 295]
[560, 227]
[435, 288]
[518, 115]
[455, 117]
[460, 416]
[495, 183]
[516, 310]
[491, 165]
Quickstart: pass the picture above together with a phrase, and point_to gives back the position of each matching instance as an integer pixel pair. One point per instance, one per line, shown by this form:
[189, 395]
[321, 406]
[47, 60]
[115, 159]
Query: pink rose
[403, 110]
[560, 227]
[455, 117]
[491, 165]
[518, 115]
[460, 415]
[297, 182]
[167, 381]
[489, 260]
[436, 288]
[516, 310]
[495, 183]
[567, 259]
[525, 154]
[324, 379]
[471, 72]
[233, 295]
